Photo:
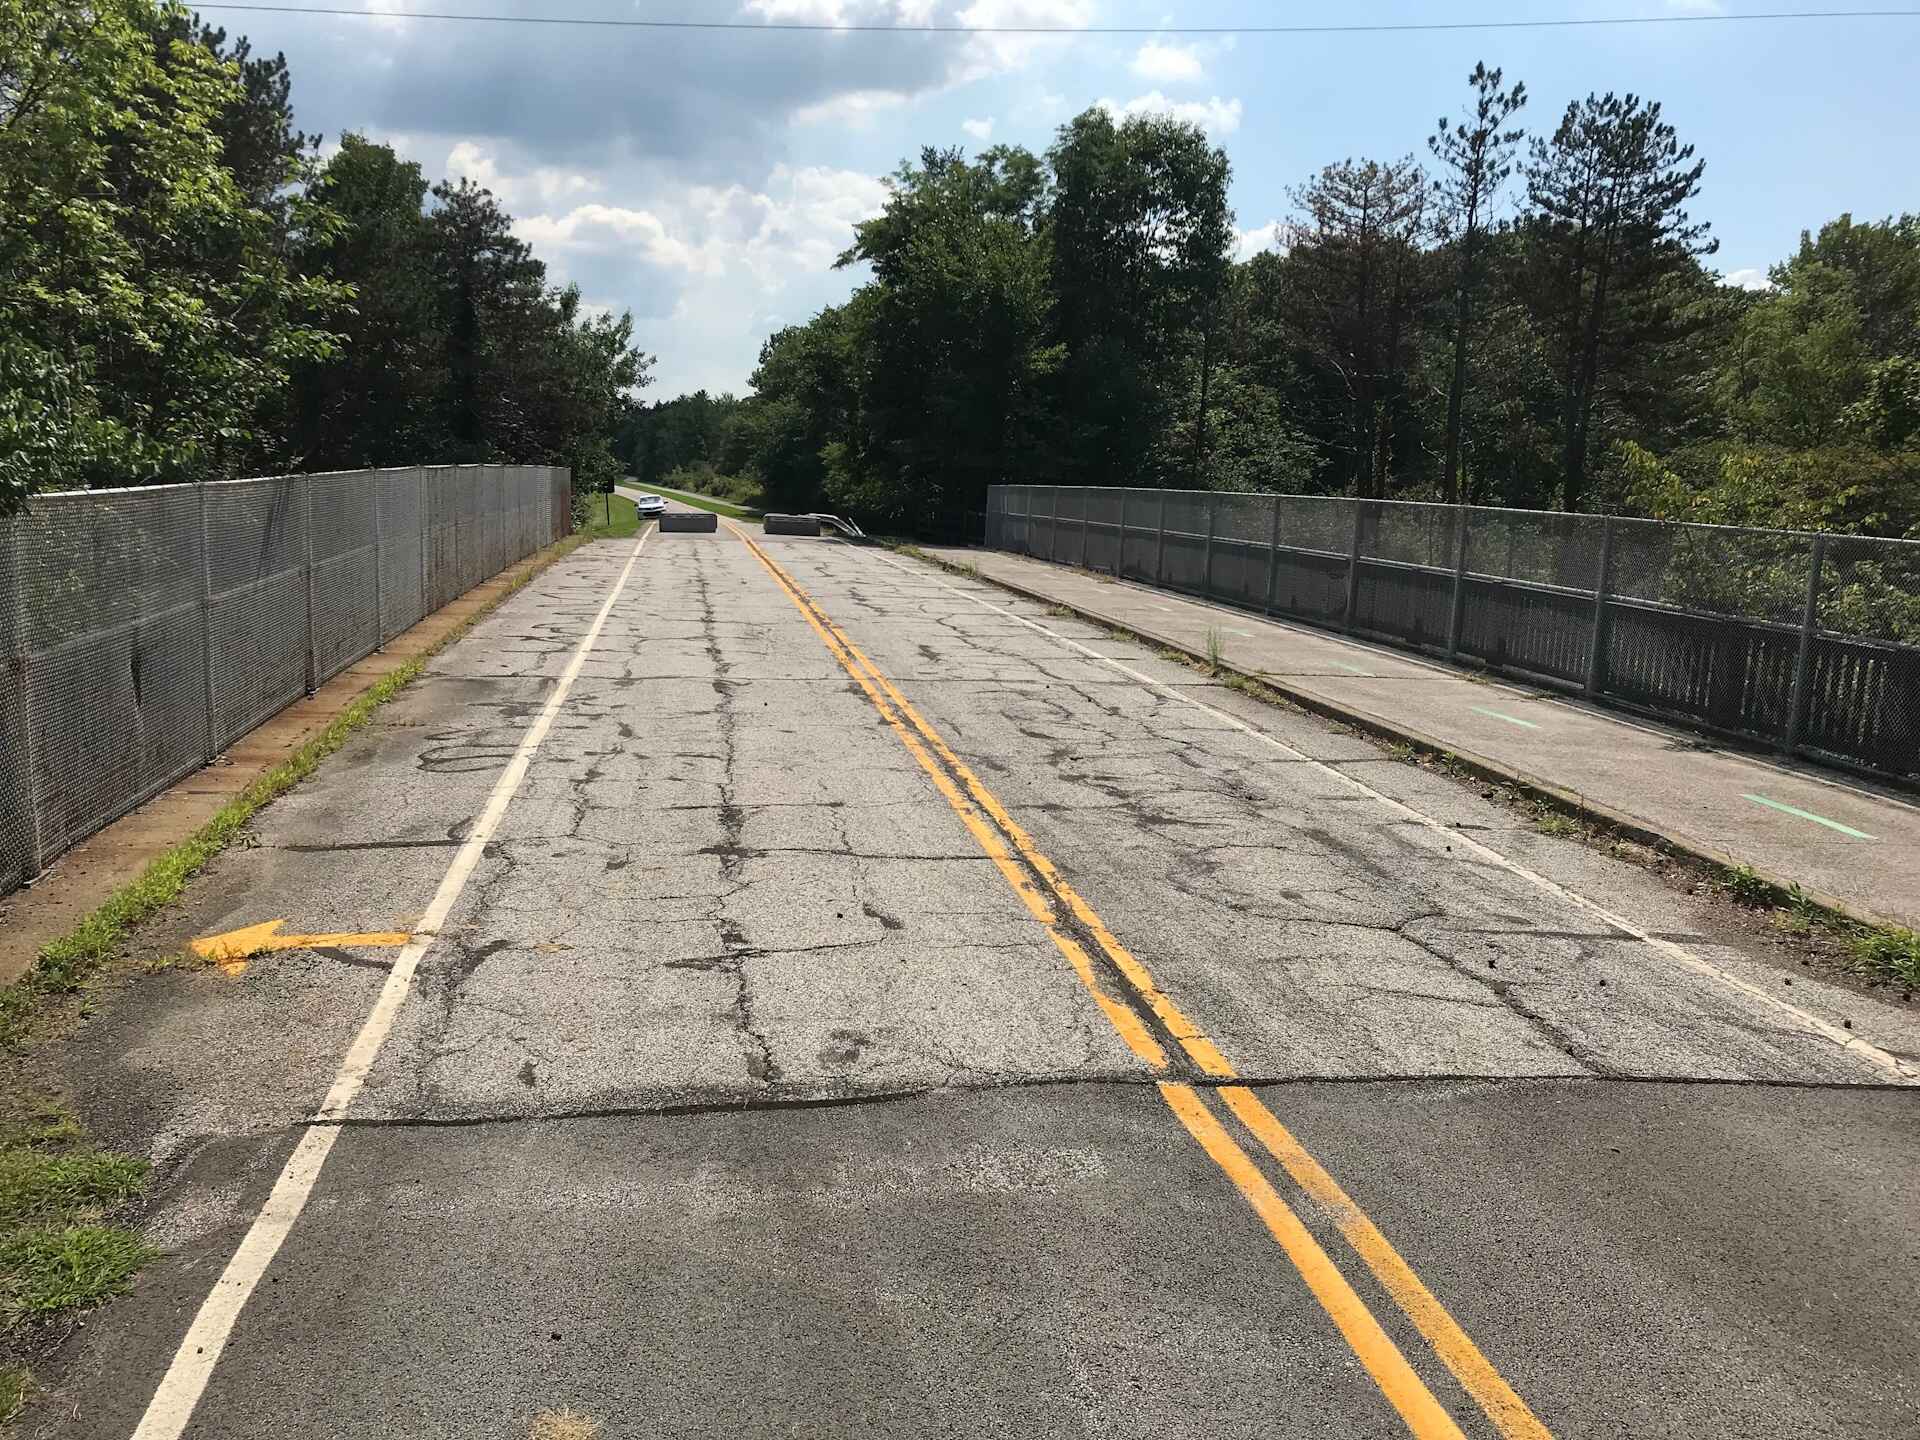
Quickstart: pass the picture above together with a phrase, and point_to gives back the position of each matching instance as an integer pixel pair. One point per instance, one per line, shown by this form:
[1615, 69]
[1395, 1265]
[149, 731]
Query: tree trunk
[1456, 393]
[1200, 420]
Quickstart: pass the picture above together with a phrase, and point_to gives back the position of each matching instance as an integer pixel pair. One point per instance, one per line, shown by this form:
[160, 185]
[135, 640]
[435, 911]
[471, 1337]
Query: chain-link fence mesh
[1811, 643]
[142, 631]
[110, 588]
[16, 820]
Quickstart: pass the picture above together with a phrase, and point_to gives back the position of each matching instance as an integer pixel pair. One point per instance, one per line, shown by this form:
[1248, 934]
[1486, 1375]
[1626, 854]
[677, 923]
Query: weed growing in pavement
[1745, 887]
[1890, 954]
[1553, 822]
[1060, 612]
[56, 1254]
[16, 1388]
[1216, 650]
[564, 1425]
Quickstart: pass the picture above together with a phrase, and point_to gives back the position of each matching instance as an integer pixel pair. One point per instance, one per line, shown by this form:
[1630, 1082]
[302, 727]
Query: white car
[650, 505]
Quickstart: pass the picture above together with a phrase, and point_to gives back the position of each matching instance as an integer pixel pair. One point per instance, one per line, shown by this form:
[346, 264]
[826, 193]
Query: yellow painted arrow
[232, 950]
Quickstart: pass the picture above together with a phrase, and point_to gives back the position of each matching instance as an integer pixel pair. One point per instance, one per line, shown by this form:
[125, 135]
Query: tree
[373, 402]
[127, 356]
[956, 349]
[1609, 229]
[1355, 285]
[1141, 235]
[1476, 161]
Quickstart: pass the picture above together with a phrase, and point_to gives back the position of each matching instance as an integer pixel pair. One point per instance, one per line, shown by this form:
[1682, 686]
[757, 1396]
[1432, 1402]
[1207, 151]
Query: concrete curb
[1632, 827]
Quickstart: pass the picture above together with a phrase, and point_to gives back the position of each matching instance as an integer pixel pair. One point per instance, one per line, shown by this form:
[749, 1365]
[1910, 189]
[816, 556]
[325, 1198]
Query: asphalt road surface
[845, 1001]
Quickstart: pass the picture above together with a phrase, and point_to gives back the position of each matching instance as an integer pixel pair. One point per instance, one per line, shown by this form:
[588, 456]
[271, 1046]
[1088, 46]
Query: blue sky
[705, 181]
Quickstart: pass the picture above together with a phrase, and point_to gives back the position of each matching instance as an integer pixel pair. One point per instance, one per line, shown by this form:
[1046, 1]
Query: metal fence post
[34, 861]
[1120, 545]
[1084, 502]
[1206, 578]
[306, 486]
[1160, 544]
[1273, 555]
[1353, 562]
[1602, 587]
[1053, 528]
[1803, 660]
[420, 490]
[378, 479]
[1457, 614]
[206, 620]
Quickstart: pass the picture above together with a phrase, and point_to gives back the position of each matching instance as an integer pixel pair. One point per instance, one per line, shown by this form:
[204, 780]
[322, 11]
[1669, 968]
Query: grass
[1216, 650]
[1745, 887]
[625, 521]
[56, 1254]
[1891, 955]
[564, 1425]
[16, 1388]
[702, 502]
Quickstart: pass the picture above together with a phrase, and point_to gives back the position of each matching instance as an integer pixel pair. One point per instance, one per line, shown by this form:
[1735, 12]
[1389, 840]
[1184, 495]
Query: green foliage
[1745, 887]
[55, 1190]
[188, 297]
[151, 315]
[1892, 954]
[44, 1273]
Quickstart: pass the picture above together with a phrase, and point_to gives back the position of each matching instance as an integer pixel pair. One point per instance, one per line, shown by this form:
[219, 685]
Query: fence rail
[1810, 643]
[144, 631]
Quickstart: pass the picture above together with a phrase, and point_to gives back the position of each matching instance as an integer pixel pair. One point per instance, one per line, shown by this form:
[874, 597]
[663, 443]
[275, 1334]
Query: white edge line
[173, 1403]
[1679, 954]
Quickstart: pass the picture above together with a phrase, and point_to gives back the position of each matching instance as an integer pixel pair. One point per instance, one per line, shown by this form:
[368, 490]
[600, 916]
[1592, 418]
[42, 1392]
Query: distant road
[846, 1001]
[686, 500]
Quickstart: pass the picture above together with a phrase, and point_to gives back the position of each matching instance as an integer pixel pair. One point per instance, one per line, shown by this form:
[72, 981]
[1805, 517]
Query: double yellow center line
[1149, 1022]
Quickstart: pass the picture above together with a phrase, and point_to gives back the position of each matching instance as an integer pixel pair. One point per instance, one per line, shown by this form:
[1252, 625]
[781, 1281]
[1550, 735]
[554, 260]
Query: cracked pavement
[741, 1096]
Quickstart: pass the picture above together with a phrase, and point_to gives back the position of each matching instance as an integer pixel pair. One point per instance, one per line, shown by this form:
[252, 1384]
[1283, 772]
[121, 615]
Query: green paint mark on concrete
[1354, 668]
[1808, 815]
[1510, 719]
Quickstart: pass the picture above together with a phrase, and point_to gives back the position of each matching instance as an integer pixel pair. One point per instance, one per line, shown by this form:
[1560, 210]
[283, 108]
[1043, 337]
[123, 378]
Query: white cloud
[800, 222]
[981, 130]
[984, 55]
[1216, 116]
[856, 108]
[1248, 243]
[541, 185]
[1168, 64]
[1697, 7]
[1752, 278]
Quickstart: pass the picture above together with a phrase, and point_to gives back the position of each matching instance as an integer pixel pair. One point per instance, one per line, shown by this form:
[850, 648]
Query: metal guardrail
[1806, 642]
[143, 631]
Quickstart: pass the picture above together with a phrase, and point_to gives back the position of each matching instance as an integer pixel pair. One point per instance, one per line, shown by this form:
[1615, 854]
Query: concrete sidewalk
[1847, 844]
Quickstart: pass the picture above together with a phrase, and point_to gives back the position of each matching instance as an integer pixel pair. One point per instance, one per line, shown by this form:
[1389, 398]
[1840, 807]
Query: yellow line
[1405, 1390]
[1450, 1342]
[1456, 1350]
[1138, 1038]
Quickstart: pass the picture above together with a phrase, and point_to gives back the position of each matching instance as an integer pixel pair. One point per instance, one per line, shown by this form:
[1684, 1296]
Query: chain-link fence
[1807, 642]
[143, 631]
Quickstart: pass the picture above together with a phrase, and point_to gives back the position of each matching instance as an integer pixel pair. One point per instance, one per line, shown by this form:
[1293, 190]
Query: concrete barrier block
[699, 522]
[791, 525]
